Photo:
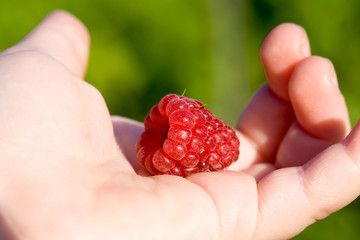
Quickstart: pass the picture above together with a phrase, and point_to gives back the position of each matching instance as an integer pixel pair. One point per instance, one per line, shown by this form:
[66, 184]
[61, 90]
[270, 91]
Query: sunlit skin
[64, 174]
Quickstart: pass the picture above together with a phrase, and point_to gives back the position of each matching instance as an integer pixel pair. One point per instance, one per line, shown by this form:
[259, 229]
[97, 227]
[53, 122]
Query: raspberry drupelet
[181, 137]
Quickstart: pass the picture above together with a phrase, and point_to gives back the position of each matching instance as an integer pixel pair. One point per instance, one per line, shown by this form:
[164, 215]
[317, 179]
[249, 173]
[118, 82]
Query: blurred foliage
[142, 50]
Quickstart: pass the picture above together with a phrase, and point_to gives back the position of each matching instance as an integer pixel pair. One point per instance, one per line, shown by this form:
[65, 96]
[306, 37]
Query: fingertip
[313, 70]
[318, 104]
[284, 47]
[288, 33]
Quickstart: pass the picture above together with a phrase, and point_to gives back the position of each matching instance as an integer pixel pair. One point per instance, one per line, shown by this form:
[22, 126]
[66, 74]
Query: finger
[293, 198]
[264, 122]
[319, 106]
[127, 132]
[269, 114]
[61, 36]
[284, 47]
[320, 110]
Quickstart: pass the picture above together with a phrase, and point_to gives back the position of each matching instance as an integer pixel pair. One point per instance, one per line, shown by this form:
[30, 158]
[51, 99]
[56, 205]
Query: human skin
[68, 169]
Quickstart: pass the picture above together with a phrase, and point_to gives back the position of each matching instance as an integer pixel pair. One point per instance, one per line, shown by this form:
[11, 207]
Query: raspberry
[181, 137]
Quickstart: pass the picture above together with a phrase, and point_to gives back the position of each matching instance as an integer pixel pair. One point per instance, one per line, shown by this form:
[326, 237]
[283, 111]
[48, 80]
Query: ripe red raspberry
[181, 137]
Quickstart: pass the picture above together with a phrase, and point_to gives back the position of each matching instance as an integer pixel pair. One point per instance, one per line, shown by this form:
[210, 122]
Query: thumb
[61, 36]
[295, 197]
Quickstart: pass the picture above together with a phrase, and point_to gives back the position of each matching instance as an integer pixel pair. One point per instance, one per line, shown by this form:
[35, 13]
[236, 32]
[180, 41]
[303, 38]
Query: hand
[64, 175]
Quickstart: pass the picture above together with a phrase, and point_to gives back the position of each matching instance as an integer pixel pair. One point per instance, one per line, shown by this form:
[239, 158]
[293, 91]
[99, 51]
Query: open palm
[68, 170]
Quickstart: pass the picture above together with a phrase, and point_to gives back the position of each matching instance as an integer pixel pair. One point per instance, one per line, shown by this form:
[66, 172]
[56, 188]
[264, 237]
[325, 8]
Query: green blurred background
[142, 50]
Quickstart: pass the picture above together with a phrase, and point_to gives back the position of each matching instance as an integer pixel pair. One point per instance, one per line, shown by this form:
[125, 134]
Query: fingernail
[332, 75]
